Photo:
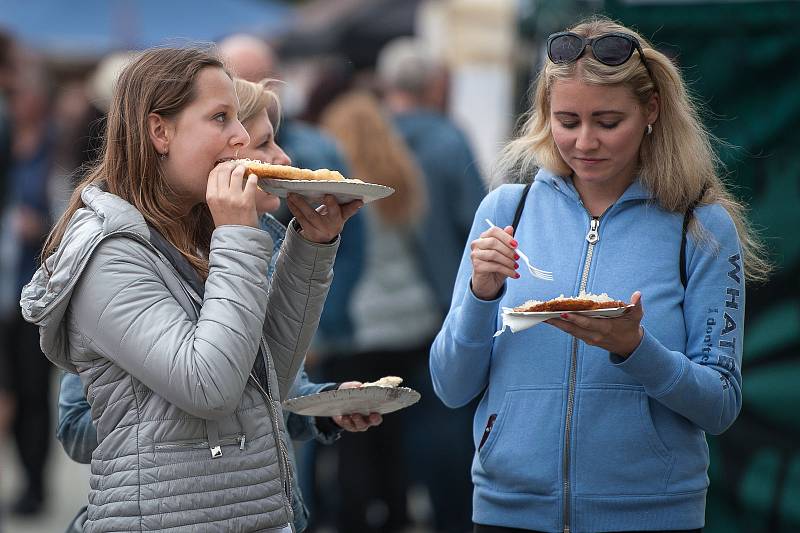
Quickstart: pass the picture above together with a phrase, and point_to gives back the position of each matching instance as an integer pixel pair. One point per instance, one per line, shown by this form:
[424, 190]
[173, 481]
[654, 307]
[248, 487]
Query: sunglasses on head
[611, 49]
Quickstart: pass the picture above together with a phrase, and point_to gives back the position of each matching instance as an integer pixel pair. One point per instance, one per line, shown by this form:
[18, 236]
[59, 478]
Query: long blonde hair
[255, 96]
[376, 153]
[160, 81]
[678, 163]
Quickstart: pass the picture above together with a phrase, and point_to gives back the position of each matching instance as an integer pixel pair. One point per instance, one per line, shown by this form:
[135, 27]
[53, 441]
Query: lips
[223, 160]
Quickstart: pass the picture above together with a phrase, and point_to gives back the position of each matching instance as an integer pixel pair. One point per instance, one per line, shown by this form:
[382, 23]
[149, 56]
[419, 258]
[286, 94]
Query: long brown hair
[377, 154]
[678, 163]
[160, 81]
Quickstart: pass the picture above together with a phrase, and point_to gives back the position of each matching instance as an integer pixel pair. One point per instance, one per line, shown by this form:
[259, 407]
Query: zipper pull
[487, 430]
[593, 236]
[241, 442]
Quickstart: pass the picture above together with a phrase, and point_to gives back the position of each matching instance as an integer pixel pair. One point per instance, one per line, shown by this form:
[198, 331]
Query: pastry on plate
[583, 302]
[285, 172]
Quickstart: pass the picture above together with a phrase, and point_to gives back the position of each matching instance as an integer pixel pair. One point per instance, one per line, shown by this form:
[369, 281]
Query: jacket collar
[115, 213]
[635, 191]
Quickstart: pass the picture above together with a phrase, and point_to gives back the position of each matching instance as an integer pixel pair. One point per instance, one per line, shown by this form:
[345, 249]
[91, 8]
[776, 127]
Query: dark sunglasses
[611, 49]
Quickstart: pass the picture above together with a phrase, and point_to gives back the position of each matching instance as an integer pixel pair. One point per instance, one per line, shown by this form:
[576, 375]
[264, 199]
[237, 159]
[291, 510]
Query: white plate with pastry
[313, 185]
[535, 312]
[314, 191]
[384, 396]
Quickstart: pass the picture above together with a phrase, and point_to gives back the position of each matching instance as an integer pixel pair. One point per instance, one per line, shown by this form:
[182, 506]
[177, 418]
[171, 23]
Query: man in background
[415, 89]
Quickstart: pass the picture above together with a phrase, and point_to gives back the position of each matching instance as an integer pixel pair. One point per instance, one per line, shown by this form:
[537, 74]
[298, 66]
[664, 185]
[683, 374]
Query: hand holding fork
[535, 272]
[494, 255]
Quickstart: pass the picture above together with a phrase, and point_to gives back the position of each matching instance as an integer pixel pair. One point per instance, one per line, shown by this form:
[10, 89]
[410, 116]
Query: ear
[652, 108]
[160, 131]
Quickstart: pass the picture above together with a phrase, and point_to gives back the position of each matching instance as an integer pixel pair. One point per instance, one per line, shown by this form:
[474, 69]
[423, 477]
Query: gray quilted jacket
[187, 435]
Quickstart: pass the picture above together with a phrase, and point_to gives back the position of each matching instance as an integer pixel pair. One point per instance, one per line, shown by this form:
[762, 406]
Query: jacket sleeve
[126, 313]
[705, 383]
[303, 428]
[461, 352]
[299, 287]
[76, 431]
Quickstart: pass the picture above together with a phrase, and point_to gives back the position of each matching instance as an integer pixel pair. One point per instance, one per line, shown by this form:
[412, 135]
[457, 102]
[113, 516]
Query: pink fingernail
[516, 266]
[516, 275]
[514, 243]
[516, 256]
[564, 316]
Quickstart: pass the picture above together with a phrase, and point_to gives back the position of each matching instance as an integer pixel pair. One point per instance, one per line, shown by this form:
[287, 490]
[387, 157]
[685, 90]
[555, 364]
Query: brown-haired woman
[152, 289]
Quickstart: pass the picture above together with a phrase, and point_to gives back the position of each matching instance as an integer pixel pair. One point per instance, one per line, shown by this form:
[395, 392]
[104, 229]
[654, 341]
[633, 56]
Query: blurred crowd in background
[423, 93]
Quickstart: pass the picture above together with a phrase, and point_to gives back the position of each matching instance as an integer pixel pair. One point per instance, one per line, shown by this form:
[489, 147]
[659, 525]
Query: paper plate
[363, 401]
[519, 320]
[314, 190]
[595, 313]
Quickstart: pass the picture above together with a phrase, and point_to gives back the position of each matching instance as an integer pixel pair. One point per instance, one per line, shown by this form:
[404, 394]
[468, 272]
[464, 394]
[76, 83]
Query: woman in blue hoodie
[588, 424]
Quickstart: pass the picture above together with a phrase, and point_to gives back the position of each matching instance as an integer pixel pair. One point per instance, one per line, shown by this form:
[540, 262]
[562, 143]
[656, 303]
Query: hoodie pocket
[617, 448]
[521, 451]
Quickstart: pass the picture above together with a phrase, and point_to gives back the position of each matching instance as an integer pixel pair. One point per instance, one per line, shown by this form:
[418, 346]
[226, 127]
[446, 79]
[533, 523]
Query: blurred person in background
[252, 59]
[7, 76]
[259, 110]
[7, 71]
[82, 109]
[590, 424]
[24, 224]
[77, 433]
[415, 86]
[394, 312]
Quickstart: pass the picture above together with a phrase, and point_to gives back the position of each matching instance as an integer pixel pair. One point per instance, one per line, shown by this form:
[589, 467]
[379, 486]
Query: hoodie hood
[46, 297]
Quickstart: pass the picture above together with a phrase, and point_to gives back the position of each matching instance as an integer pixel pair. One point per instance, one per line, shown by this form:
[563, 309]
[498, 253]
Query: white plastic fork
[535, 272]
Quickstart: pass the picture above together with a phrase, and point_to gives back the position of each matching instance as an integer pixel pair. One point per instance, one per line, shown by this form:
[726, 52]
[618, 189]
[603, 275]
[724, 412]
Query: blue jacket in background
[635, 456]
[454, 188]
[309, 148]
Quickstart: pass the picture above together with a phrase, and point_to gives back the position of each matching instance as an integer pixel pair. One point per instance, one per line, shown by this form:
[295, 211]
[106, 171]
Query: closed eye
[609, 125]
[569, 125]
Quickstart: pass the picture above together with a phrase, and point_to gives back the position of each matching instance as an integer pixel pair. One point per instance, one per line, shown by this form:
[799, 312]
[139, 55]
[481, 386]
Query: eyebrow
[595, 114]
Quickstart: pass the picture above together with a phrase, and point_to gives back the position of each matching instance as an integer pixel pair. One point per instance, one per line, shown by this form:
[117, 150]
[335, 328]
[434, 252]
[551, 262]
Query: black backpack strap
[687, 218]
[521, 206]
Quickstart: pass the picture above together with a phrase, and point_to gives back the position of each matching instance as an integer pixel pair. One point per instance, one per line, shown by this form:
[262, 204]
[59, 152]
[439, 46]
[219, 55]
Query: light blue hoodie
[583, 438]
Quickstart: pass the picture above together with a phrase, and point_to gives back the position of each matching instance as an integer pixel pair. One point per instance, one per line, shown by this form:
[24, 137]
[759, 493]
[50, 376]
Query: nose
[240, 138]
[280, 157]
[586, 140]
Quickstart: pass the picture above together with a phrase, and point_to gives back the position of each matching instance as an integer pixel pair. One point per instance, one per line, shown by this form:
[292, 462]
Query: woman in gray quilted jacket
[152, 289]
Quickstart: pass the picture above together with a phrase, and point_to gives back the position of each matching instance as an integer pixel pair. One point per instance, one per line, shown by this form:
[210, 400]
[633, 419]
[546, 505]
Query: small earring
[649, 129]
[163, 156]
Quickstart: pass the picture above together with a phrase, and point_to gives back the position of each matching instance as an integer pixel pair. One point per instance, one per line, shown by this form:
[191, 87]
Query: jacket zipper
[228, 441]
[592, 237]
[283, 464]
